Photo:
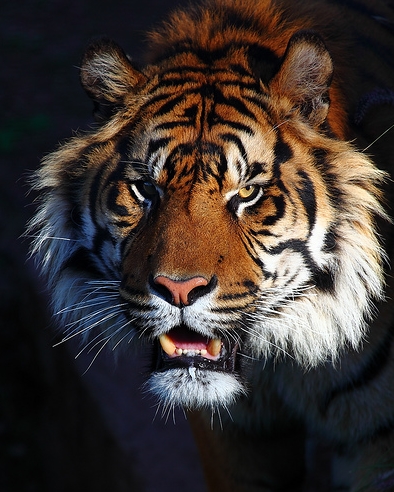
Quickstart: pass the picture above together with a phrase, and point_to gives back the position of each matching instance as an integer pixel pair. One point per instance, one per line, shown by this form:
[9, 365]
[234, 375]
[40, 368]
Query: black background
[61, 430]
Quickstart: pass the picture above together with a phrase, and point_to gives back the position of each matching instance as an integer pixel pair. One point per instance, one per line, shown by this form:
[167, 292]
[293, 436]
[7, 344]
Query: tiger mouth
[184, 348]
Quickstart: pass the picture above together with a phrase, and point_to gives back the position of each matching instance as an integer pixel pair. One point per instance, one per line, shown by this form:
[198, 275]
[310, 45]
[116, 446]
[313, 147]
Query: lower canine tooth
[167, 345]
[214, 347]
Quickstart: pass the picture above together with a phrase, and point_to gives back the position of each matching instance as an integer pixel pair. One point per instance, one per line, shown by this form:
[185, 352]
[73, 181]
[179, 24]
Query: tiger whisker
[305, 325]
[110, 328]
[378, 138]
[173, 415]
[92, 315]
[88, 328]
[228, 336]
[258, 335]
[80, 306]
[96, 355]
[127, 334]
[158, 406]
[219, 417]
[245, 356]
[85, 301]
[46, 238]
[103, 283]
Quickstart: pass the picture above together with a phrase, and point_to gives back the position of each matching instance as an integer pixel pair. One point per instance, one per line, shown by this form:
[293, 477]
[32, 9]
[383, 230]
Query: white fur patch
[199, 389]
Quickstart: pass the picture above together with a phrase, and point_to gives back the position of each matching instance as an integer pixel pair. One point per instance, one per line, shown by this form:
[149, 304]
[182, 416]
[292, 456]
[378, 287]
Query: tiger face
[214, 215]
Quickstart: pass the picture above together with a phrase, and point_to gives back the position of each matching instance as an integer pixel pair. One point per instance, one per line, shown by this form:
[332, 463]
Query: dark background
[60, 429]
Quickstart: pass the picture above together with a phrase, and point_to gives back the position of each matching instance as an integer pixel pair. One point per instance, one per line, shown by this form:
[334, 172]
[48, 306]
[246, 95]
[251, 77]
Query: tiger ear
[305, 75]
[107, 75]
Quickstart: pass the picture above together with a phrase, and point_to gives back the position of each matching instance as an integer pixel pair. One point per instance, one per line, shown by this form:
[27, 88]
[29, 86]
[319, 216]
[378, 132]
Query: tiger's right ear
[107, 75]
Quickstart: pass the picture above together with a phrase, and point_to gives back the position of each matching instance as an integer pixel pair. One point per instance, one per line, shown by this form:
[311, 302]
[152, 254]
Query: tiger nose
[181, 292]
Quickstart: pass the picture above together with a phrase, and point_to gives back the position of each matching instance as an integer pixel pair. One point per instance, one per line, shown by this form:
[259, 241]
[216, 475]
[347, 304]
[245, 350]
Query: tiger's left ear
[108, 76]
[304, 76]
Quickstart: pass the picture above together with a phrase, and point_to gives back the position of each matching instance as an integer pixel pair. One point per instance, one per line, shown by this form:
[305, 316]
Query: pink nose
[180, 290]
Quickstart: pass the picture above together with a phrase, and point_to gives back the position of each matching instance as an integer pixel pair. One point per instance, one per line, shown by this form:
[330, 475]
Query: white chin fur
[194, 388]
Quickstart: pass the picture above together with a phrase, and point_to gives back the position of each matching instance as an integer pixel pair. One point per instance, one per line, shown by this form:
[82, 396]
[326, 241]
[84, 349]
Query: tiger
[229, 213]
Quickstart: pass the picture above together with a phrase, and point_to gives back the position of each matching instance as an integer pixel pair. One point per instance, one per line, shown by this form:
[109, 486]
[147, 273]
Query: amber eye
[249, 192]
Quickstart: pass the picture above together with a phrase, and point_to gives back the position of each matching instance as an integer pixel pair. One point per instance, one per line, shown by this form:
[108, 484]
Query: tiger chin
[226, 213]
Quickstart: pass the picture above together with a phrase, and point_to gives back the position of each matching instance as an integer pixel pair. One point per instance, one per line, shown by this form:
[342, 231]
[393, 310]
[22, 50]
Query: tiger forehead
[187, 80]
[197, 131]
[208, 164]
[191, 164]
[205, 120]
[224, 65]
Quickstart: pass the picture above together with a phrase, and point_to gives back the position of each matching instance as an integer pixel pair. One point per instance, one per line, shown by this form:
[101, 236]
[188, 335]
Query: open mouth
[182, 347]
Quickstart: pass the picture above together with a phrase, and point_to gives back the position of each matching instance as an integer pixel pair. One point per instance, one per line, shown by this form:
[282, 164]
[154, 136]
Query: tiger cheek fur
[219, 214]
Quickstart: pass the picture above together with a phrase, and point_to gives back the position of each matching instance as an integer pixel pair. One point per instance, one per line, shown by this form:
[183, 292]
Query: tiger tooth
[214, 347]
[203, 352]
[167, 345]
[179, 351]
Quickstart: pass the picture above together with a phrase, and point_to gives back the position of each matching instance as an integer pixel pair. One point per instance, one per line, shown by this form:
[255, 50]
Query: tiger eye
[148, 188]
[248, 192]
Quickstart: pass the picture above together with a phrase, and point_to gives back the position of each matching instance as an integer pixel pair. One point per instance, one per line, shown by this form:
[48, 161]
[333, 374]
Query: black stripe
[322, 279]
[225, 310]
[256, 168]
[181, 75]
[170, 105]
[308, 197]
[235, 103]
[322, 163]
[155, 99]
[330, 242]
[178, 79]
[259, 57]
[240, 295]
[283, 153]
[155, 145]
[280, 206]
[175, 124]
[170, 163]
[113, 205]
[250, 248]
[265, 64]
[230, 137]
[95, 188]
[256, 101]
[235, 125]
[296, 245]
[262, 232]
[370, 371]
[123, 223]
[81, 261]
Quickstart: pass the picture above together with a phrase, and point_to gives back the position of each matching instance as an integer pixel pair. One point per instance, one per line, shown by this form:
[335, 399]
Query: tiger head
[215, 213]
